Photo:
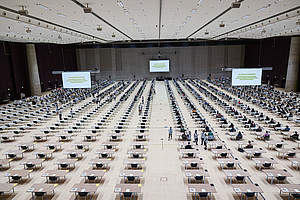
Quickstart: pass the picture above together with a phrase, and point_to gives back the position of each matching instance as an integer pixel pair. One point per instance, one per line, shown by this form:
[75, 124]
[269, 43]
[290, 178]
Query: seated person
[277, 125]
[249, 145]
[287, 128]
[231, 125]
[266, 135]
[239, 136]
[259, 129]
[207, 129]
[184, 136]
[232, 129]
[211, 136]
[295, 136]
[188, 146]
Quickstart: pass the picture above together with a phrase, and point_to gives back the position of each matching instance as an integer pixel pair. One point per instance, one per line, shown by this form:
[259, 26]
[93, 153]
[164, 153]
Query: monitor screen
[248, 76]
[159, 65]
[76, 79]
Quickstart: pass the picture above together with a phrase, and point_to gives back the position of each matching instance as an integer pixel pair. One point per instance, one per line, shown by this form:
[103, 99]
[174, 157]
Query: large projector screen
[76, 79]
[249, 76]
[159, 65]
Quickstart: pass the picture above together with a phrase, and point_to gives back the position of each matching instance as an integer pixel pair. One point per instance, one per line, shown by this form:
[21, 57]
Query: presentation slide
[244, 77]
[159, 65]
[76, 79]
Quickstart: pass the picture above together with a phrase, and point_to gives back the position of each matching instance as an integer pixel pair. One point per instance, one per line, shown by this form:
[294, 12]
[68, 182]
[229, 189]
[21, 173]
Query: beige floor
[163, 172]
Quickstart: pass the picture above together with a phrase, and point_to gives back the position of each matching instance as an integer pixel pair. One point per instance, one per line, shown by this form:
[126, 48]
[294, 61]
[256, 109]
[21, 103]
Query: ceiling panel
[64, 21]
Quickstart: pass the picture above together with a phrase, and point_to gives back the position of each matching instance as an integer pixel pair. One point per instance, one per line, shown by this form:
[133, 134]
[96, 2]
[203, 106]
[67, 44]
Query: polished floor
[164, 177]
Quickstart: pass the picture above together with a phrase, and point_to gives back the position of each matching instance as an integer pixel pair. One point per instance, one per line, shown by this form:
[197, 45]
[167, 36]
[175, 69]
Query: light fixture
[61, 15]
[263, 31]
[99, 28]
[120, 4]
[236, 4]
[59, 37]
[87, 9]
[76, 21]
[23, 11]
[298, 22]
[28, 30]
[113, 35]
[200, 2]
[194, 10]
[126, 12]
[42, 6]
[206, 33]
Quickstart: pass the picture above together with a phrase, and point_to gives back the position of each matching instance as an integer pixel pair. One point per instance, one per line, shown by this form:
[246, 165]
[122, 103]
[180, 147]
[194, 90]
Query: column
[34, 77]
[293, 65]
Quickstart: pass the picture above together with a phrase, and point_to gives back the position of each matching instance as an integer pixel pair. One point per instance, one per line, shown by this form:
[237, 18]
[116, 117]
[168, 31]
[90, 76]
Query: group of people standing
[187, 136]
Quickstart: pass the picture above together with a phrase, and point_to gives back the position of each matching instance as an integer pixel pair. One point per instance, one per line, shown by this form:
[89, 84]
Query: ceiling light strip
[259, 21]
[51, 23]
[159, 19]
[96, 15]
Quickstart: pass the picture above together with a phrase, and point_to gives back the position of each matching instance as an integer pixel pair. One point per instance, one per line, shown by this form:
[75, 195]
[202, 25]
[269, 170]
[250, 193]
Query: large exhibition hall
[150, 99]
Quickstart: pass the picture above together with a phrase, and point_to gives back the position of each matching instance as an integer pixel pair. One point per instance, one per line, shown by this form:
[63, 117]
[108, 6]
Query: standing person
[205, 142]
[202, 137]
[189, 136]
[60, 114]
[170, 133]
[196, 137]
[71, 112]
[142, 99]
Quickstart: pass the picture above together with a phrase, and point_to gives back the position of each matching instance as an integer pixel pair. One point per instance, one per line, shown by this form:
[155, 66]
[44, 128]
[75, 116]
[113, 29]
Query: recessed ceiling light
[120, 4]
[131, 19]
[76, 21]
[200, 2]
[126, 12]
[41, 6]
[194, 10]
[61, 15]
[246, 16]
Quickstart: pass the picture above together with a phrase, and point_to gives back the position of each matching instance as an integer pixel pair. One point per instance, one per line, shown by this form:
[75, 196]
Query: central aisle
[163, 174]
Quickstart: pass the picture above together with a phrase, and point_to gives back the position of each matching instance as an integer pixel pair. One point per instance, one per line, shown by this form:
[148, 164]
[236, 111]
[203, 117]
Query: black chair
[99, 165]
[131, 179]
[135, 155]
[92, 178]
[109, 146]
[40, 194]
[79, 147]
[194, 164]
[140, 137]
[249, 194]
[38, 137]
[64, 165]
[16, 178]
[63, 137]
[41, 155]
[199, 178]
[203, 194]
[73, 155]
[114, 137]
[291, 154]
[29, 165]
[83, 194]
[88, 137]
[138, 146]
[51, 147]
[4, 138]
[230, 165]
[134, 165]
[279, 145]
[127, 194]
[281, 178]
[104, 155]
[267, 165]
[53, 178]
[219, 147]
[23, 147]
[223, 155]
[240, 178]
[190, 155]
[296, 195]
[12, 155]
[257, 154]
